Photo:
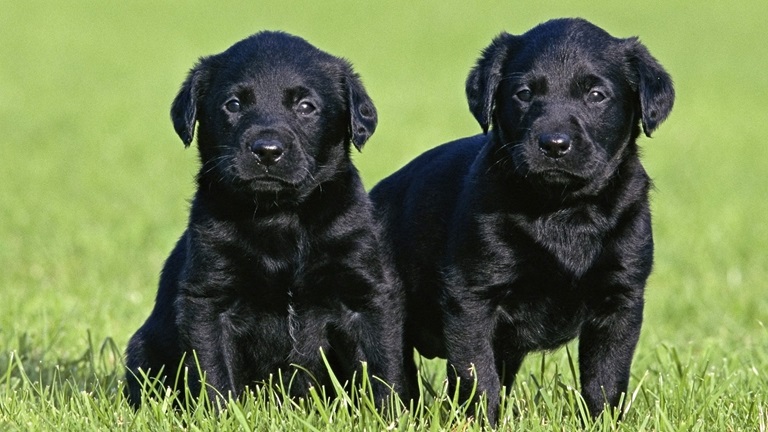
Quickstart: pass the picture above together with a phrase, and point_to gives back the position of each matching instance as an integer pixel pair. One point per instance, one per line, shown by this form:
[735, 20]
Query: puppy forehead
[275, 60]
[263, 78]
[568, 49]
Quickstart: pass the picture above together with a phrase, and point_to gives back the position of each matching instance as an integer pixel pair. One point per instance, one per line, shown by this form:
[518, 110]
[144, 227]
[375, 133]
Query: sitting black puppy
[539, 232]
[281, 258]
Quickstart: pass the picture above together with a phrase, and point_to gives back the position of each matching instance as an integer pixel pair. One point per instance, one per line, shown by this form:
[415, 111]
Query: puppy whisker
[502, 155]
[215, 163]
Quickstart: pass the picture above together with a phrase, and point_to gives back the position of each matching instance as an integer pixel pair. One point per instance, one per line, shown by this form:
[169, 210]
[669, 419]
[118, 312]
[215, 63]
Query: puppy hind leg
[507, 366]
[410, 375]
[137, 365]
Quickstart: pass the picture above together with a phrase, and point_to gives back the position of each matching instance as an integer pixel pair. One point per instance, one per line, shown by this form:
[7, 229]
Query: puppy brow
[587, 81]
[536, 84]
[540, 85]
[295, 94]
[513, 76]
[244, 93]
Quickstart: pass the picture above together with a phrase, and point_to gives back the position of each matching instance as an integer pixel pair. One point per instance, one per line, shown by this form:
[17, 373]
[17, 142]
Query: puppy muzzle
[555, 145]
[268, 152]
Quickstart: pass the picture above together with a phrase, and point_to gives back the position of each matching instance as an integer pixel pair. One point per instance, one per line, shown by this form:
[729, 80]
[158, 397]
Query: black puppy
[539, 232]
[281, 258]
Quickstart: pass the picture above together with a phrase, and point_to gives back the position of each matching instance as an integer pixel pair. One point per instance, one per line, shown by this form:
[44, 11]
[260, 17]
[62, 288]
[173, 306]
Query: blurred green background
[94, 184]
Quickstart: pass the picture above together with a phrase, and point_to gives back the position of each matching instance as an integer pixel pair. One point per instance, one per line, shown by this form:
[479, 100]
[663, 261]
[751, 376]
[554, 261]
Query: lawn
[94, 189]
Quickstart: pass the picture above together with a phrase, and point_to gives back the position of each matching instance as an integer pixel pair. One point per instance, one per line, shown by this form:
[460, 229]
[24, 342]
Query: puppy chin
[262, 179]
[556, 178]
[271, 184]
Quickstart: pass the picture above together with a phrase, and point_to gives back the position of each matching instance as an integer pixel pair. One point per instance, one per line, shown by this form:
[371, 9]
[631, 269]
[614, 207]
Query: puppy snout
[267, 152]
[555, 145]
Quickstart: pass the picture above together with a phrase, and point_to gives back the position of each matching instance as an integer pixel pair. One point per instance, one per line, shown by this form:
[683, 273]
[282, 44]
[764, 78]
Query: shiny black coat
[280, 262]
[540, 231]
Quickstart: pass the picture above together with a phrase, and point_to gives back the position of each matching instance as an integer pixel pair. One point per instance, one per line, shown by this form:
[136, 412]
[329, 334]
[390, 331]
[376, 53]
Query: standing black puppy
[539, 232]
[281, 257]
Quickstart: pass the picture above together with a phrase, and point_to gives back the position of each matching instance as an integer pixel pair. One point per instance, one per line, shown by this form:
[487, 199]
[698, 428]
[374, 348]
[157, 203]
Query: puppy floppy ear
[653, 84]
[184, 106]
[484, 79]
[363, 116]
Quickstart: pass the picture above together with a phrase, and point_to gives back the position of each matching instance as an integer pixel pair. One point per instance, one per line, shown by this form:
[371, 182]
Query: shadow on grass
[89, 389]
[31, 368]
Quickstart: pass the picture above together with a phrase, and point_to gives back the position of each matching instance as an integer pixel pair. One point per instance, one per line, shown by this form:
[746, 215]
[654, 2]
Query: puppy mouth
[271, 182]
[561, 171]
[279, 176]
[559, 176]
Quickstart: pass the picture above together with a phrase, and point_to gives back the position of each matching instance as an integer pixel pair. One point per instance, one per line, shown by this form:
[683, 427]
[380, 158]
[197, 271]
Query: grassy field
[94, 187]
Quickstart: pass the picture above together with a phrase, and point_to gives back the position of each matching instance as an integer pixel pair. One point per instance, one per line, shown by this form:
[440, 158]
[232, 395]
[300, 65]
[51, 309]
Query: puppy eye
[305, 108]
[233, 106]
[524, 95]
[595, 96]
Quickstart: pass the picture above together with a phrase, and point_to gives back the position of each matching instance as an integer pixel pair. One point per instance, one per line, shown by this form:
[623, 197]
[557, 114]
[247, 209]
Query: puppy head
[274, 115]
[566, 99]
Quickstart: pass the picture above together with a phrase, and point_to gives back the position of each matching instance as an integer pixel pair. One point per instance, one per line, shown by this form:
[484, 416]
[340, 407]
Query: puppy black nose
[268, 152]
[555, 145]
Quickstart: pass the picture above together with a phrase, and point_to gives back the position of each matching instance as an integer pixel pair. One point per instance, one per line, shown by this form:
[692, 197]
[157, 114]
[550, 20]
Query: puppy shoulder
[440, 165]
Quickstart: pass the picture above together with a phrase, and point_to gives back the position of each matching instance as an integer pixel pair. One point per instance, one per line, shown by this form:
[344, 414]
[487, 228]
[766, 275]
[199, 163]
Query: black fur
[281, 257]
[539, 232]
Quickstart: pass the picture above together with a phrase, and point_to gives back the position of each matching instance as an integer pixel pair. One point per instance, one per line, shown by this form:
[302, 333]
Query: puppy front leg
[378, 334]
[606, 347]
[467, 332]
[211, 348]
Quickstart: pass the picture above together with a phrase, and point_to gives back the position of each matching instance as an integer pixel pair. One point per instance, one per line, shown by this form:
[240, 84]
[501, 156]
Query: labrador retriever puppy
[280, 263]
[540, 231]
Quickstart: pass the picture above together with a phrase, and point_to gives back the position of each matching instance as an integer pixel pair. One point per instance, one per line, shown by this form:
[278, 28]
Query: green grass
[94, 187]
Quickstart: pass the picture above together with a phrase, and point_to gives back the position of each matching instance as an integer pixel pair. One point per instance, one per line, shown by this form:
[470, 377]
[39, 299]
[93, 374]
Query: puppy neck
[224, 202]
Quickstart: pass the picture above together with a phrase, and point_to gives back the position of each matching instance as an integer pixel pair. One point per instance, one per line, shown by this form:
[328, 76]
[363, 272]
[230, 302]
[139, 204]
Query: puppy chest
[536, 322]
[279, 333]
[572, 240]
